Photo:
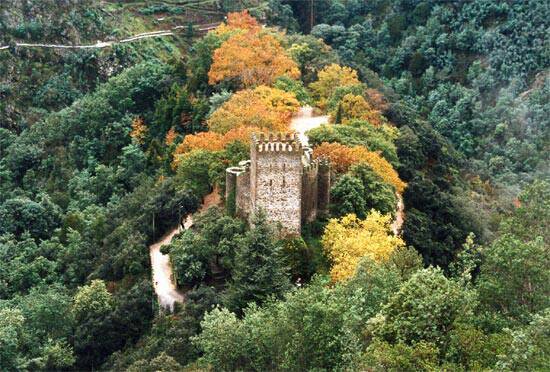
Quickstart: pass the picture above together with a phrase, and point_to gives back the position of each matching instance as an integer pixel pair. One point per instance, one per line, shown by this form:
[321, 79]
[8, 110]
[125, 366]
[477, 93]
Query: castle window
[270, 182]
[284, 168]
[284, 182]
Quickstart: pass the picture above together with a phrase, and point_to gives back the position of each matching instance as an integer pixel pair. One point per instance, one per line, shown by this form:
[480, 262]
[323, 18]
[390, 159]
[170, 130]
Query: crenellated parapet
[274, 143]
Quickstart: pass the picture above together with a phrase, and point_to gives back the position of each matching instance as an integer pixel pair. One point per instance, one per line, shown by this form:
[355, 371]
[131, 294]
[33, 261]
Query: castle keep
[282, 179]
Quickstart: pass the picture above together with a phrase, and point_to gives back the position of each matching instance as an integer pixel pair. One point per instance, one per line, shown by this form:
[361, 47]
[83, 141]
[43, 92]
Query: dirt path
[399, 216]
[305, 121]
[104, 44]
[165, 288]
[163, 281]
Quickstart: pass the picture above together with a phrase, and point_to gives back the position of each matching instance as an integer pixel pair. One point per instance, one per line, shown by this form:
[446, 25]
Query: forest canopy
[433, 253]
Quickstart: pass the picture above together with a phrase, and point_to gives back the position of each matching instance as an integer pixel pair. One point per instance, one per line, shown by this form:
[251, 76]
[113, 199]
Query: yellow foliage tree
[253, 58]
[263, 107]
[348, 239]
[356, 107]
[343, 157]
[139, 130]
[330, 78]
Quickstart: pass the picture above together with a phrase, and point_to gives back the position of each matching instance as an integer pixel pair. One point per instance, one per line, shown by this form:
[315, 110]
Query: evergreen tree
[259, 270]
[338, 117]
[189, 33]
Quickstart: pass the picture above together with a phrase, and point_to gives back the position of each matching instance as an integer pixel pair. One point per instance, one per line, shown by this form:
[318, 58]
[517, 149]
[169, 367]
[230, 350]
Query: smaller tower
[323, 188]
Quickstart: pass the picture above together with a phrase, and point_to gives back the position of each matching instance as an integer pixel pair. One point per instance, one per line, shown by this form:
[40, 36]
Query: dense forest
[443, 107]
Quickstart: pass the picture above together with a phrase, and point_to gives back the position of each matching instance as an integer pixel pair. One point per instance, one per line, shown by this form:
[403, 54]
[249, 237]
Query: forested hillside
[438, 117]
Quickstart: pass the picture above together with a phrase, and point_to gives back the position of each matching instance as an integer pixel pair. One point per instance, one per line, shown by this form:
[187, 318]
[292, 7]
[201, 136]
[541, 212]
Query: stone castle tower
[282, 179]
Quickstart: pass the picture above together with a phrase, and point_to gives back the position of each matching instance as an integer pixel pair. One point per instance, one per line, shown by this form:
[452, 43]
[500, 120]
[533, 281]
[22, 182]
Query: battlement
[323, 162]
[274, 143]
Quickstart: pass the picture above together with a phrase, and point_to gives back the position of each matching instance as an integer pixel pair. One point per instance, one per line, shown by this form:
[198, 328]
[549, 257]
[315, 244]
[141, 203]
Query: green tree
[313, 327]
[514, 280]
[91, 306]
[91, 301]
[378, 194]
[22, 214]
[294, 86]
[54, 355]
[259, 271]
[425, 308]
[47, 313]
[381, 355]
[530, 219]
[208, 251]
[194, 171]
[11, 330]
[348, 196]
[530, 348]
[200, 60]
[161, 363]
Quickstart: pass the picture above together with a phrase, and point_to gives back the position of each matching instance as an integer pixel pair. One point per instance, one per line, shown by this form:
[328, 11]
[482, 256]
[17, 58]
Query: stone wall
[323, 187]
[283, 180]
[309, 187]
[243, 194]
[277, 185]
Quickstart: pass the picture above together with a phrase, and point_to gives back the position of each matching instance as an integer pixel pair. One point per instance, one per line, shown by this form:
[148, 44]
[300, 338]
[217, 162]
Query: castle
[282, 179]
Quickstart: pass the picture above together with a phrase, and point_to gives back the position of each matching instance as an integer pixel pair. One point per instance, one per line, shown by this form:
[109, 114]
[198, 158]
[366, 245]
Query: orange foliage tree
[263, 107]
[343, 157]
[376, 99]
[213, 141]
[331, 77]
[170, 137]
[238, 21]
[253, 58]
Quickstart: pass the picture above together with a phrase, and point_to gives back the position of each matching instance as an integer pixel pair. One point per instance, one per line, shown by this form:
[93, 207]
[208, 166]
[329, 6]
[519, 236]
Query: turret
[323, 187]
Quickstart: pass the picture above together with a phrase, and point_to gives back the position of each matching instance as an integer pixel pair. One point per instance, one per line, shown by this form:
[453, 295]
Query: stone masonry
[282, 179]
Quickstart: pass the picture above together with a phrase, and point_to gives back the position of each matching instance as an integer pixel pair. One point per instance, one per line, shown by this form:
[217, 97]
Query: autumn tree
[252, 58]
[213, 141]
[353, 107]
[170, 137]
[139, 130]
[240, 21]
[330, 78]
[348, 239]
[262, 107]
[343, 157]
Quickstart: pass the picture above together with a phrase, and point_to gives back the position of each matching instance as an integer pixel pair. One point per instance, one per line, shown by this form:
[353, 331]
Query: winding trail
[163, 278]
[397, 224]
[104, 44]
[165, 288]
[304, 121]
